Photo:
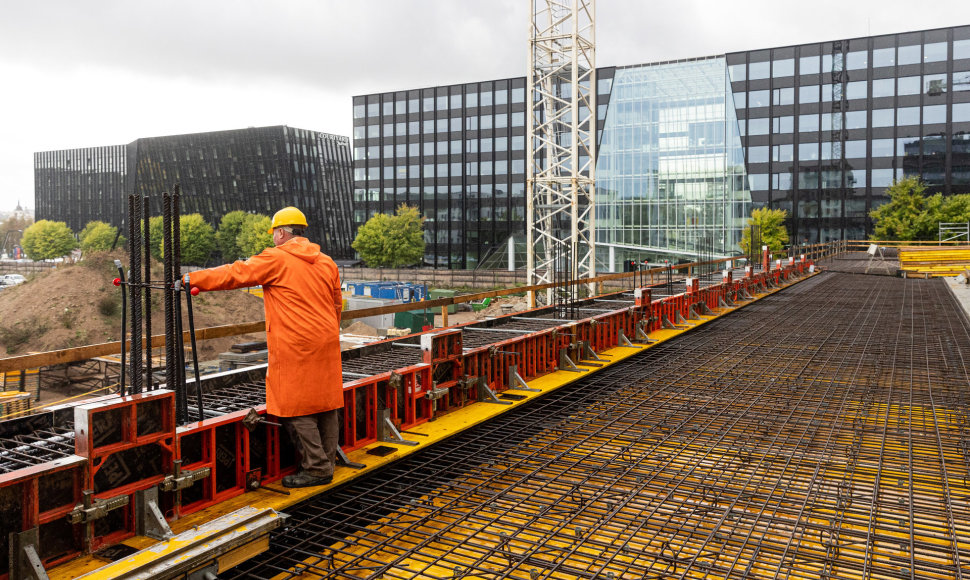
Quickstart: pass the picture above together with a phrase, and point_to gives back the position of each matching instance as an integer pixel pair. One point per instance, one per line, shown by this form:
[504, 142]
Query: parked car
[12, 279]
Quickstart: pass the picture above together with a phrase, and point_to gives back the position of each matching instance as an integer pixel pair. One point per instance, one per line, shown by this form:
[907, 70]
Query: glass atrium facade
[685, 149]
[670, 174]
[258, 170]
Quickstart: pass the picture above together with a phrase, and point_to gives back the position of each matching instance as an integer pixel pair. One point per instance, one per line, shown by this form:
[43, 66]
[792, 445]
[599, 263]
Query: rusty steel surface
[821, 432]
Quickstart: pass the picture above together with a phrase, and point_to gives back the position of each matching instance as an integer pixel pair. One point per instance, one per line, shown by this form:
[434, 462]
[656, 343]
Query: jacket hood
[301, 248]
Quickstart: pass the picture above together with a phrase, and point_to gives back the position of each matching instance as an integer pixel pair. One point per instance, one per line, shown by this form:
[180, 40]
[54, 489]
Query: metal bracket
[705, 310]
[342, 459]
[516, 382]
[149, 520]
[24, 561]
[252, 419]
[722, 303]
[485, 394]
[387, 432]
[679, 318]
[692, 313]
[588, 352]
[642, 335]
[566, 363]
[183, 479]
[665, 321]
[622, 340]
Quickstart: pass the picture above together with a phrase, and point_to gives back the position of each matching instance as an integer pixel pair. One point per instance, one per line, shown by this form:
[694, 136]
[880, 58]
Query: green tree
[197, 240]
[909, 214]
[391, 241]
[12, 229]
[98, 236]
[46, 239]
[254, 236]
[229, 228]
[155, 236]
[771, 223]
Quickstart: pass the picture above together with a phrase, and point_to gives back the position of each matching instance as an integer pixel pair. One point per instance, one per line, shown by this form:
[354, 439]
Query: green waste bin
[435, 294]
[415, 320]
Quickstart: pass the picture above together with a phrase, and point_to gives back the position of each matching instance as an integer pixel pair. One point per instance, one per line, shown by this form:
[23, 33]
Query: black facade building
[258, 170]
[819, 129]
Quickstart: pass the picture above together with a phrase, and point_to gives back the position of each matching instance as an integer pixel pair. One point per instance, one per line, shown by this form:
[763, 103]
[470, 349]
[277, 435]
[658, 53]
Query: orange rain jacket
[301, 295]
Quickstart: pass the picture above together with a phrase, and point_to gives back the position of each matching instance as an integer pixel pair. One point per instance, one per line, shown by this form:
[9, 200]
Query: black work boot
[304, 479]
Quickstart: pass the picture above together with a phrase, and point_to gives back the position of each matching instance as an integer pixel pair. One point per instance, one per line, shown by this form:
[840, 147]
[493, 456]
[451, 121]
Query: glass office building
[685, 149]
[258, 170]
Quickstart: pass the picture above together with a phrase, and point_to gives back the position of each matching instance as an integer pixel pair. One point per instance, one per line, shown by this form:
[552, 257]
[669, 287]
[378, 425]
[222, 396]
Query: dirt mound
[76, 305]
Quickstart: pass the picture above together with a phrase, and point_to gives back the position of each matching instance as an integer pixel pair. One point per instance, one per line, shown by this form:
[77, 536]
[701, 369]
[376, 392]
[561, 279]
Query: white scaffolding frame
[561, 154]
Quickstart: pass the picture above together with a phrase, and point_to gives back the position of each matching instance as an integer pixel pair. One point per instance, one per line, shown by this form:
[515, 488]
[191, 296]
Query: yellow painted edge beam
[449, 424]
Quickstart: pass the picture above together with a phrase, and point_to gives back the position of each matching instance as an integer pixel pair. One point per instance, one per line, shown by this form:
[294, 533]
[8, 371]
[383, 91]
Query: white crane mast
[562, 143]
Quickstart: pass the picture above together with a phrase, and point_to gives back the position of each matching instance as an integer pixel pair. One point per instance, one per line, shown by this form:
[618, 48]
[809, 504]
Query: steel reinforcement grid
[821, 432]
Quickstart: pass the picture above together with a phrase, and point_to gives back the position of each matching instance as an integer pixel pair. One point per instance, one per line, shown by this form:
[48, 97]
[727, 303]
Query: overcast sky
[84, 73]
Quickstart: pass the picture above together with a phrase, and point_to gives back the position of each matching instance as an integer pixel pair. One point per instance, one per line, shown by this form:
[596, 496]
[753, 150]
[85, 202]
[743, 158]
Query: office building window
[808, 65]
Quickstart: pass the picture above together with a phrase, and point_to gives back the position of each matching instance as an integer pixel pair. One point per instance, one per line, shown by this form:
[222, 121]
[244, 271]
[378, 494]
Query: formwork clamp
[485, 394]
[516, 382]
[183, 479]
[92, 509]
[149, 520]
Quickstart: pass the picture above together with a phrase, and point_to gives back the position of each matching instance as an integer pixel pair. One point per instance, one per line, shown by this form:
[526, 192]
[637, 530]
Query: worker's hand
[182, 282]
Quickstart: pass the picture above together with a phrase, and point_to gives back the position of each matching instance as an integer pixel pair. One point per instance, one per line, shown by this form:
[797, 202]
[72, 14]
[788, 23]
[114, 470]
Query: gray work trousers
[315, 437]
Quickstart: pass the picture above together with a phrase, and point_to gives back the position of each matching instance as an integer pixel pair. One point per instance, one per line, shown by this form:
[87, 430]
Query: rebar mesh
[818, 433]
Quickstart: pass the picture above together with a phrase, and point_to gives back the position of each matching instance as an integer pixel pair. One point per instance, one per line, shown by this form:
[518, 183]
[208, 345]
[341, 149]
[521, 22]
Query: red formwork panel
[41, 496]
[130, 444]
[443, 351]
[233, 454]
[360, 411]
[404, 395]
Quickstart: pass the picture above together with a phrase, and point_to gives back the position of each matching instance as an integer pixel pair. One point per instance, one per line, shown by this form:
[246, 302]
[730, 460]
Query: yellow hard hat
[288, 216]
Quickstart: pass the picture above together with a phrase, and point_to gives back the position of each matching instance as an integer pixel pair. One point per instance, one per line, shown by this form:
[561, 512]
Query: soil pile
[77, 304]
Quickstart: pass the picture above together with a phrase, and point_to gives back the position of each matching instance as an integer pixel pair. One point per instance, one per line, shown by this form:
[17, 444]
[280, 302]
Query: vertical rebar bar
[146, 243]
[169, 282]
[134, 286]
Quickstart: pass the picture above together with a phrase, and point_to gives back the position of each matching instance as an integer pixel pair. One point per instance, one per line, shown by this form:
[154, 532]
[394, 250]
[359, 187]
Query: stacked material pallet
[928, 261]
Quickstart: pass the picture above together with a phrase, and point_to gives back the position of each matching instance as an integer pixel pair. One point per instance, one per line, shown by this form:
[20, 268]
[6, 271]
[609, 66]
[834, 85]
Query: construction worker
[301, 295]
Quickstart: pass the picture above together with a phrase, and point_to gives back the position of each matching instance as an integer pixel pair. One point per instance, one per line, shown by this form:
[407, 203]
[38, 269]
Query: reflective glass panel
[737, 72]
[961, 49]
[884, 57]
[359, 111]
[934, 52]
[882, 177]
[934, 85]
[857, 60]
[934, 114]
[740, 100]
[808, 65]
[757, 126]
[961, 112]
[856, 90]
[855, 178]
[855, 149]
[961, 81]
[808, 123]
[908, 86]
[808, 94]
[781, 153]
[855, 120]
[758, 154]
[807, 152]
[883, 148]
[907, 116]
[883, 117]
[758, 99]
[759, 70]
[783, 68]
[758, 181]
[909, 54]
[782, 124]
[784, 96]
[907, 146]
[883, 88]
